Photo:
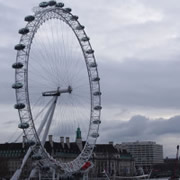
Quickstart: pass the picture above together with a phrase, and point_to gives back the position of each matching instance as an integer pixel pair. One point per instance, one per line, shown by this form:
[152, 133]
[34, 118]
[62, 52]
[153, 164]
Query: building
[105, 157]
[170, 168]
[116, 163]
[145, 153]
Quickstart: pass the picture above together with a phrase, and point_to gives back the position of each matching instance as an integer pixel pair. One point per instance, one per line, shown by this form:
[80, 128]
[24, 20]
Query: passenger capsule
[97, 108]
[85, 39]
[74, 18]
[90, 51]
[93, 65]
[31, 142]
[19, 47]
[23, 125]
[23, 31]
[94, 135]
[17, 65]
[43, 4]
[36, 157]
[60, 5]
[52, 3]
[80, 27]
[97, 121]
[19, 106]
[29, 18]
[17, 85]
[97, 93]
[68, 10]
[84, 158]
[86, 166]
[96, 79]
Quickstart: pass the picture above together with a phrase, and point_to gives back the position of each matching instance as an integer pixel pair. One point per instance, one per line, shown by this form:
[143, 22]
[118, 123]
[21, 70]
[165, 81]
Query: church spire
[79, 139]
[78, 133]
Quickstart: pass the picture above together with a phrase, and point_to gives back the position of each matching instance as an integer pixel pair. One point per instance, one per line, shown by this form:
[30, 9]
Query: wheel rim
[26, 74]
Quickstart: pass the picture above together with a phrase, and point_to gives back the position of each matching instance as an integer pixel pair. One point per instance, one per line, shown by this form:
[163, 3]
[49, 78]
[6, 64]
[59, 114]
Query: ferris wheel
[57, 84]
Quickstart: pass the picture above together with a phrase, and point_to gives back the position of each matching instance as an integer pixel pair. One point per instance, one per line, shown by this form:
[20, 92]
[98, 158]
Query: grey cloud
[9, 17]
[11, 122]
[141, 83]
[122, 112]
[140, 128]
[170, 126]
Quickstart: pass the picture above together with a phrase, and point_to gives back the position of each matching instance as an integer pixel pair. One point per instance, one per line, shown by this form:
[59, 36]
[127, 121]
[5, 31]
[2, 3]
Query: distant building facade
[170, 168]
[145, 153]
[105, 157]
[116, 163]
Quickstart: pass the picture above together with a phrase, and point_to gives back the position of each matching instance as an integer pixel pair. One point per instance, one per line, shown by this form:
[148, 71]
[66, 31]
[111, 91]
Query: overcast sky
[136, 44]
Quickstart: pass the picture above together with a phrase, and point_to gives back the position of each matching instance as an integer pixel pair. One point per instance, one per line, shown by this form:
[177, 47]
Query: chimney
[51, 140]
[67, 142]
[62, 141]
[23, 141]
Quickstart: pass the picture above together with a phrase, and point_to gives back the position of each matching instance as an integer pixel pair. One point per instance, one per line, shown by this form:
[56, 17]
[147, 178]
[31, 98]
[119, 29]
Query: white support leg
[18, 172]
[39, 175]
[32, 174]
[45, 119]
[49, 122]
[53, 174]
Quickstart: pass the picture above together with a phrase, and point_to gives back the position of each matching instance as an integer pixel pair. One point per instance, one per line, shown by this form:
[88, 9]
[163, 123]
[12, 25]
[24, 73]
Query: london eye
[57, 85]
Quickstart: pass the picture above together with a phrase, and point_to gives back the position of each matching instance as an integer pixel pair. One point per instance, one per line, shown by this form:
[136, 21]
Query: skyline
[136, 45]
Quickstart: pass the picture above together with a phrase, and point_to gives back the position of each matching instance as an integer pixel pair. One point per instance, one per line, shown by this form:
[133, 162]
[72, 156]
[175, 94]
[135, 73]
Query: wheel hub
[58, 92]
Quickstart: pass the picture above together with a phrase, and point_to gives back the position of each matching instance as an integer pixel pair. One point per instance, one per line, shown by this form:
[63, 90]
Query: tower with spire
[79, 138]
